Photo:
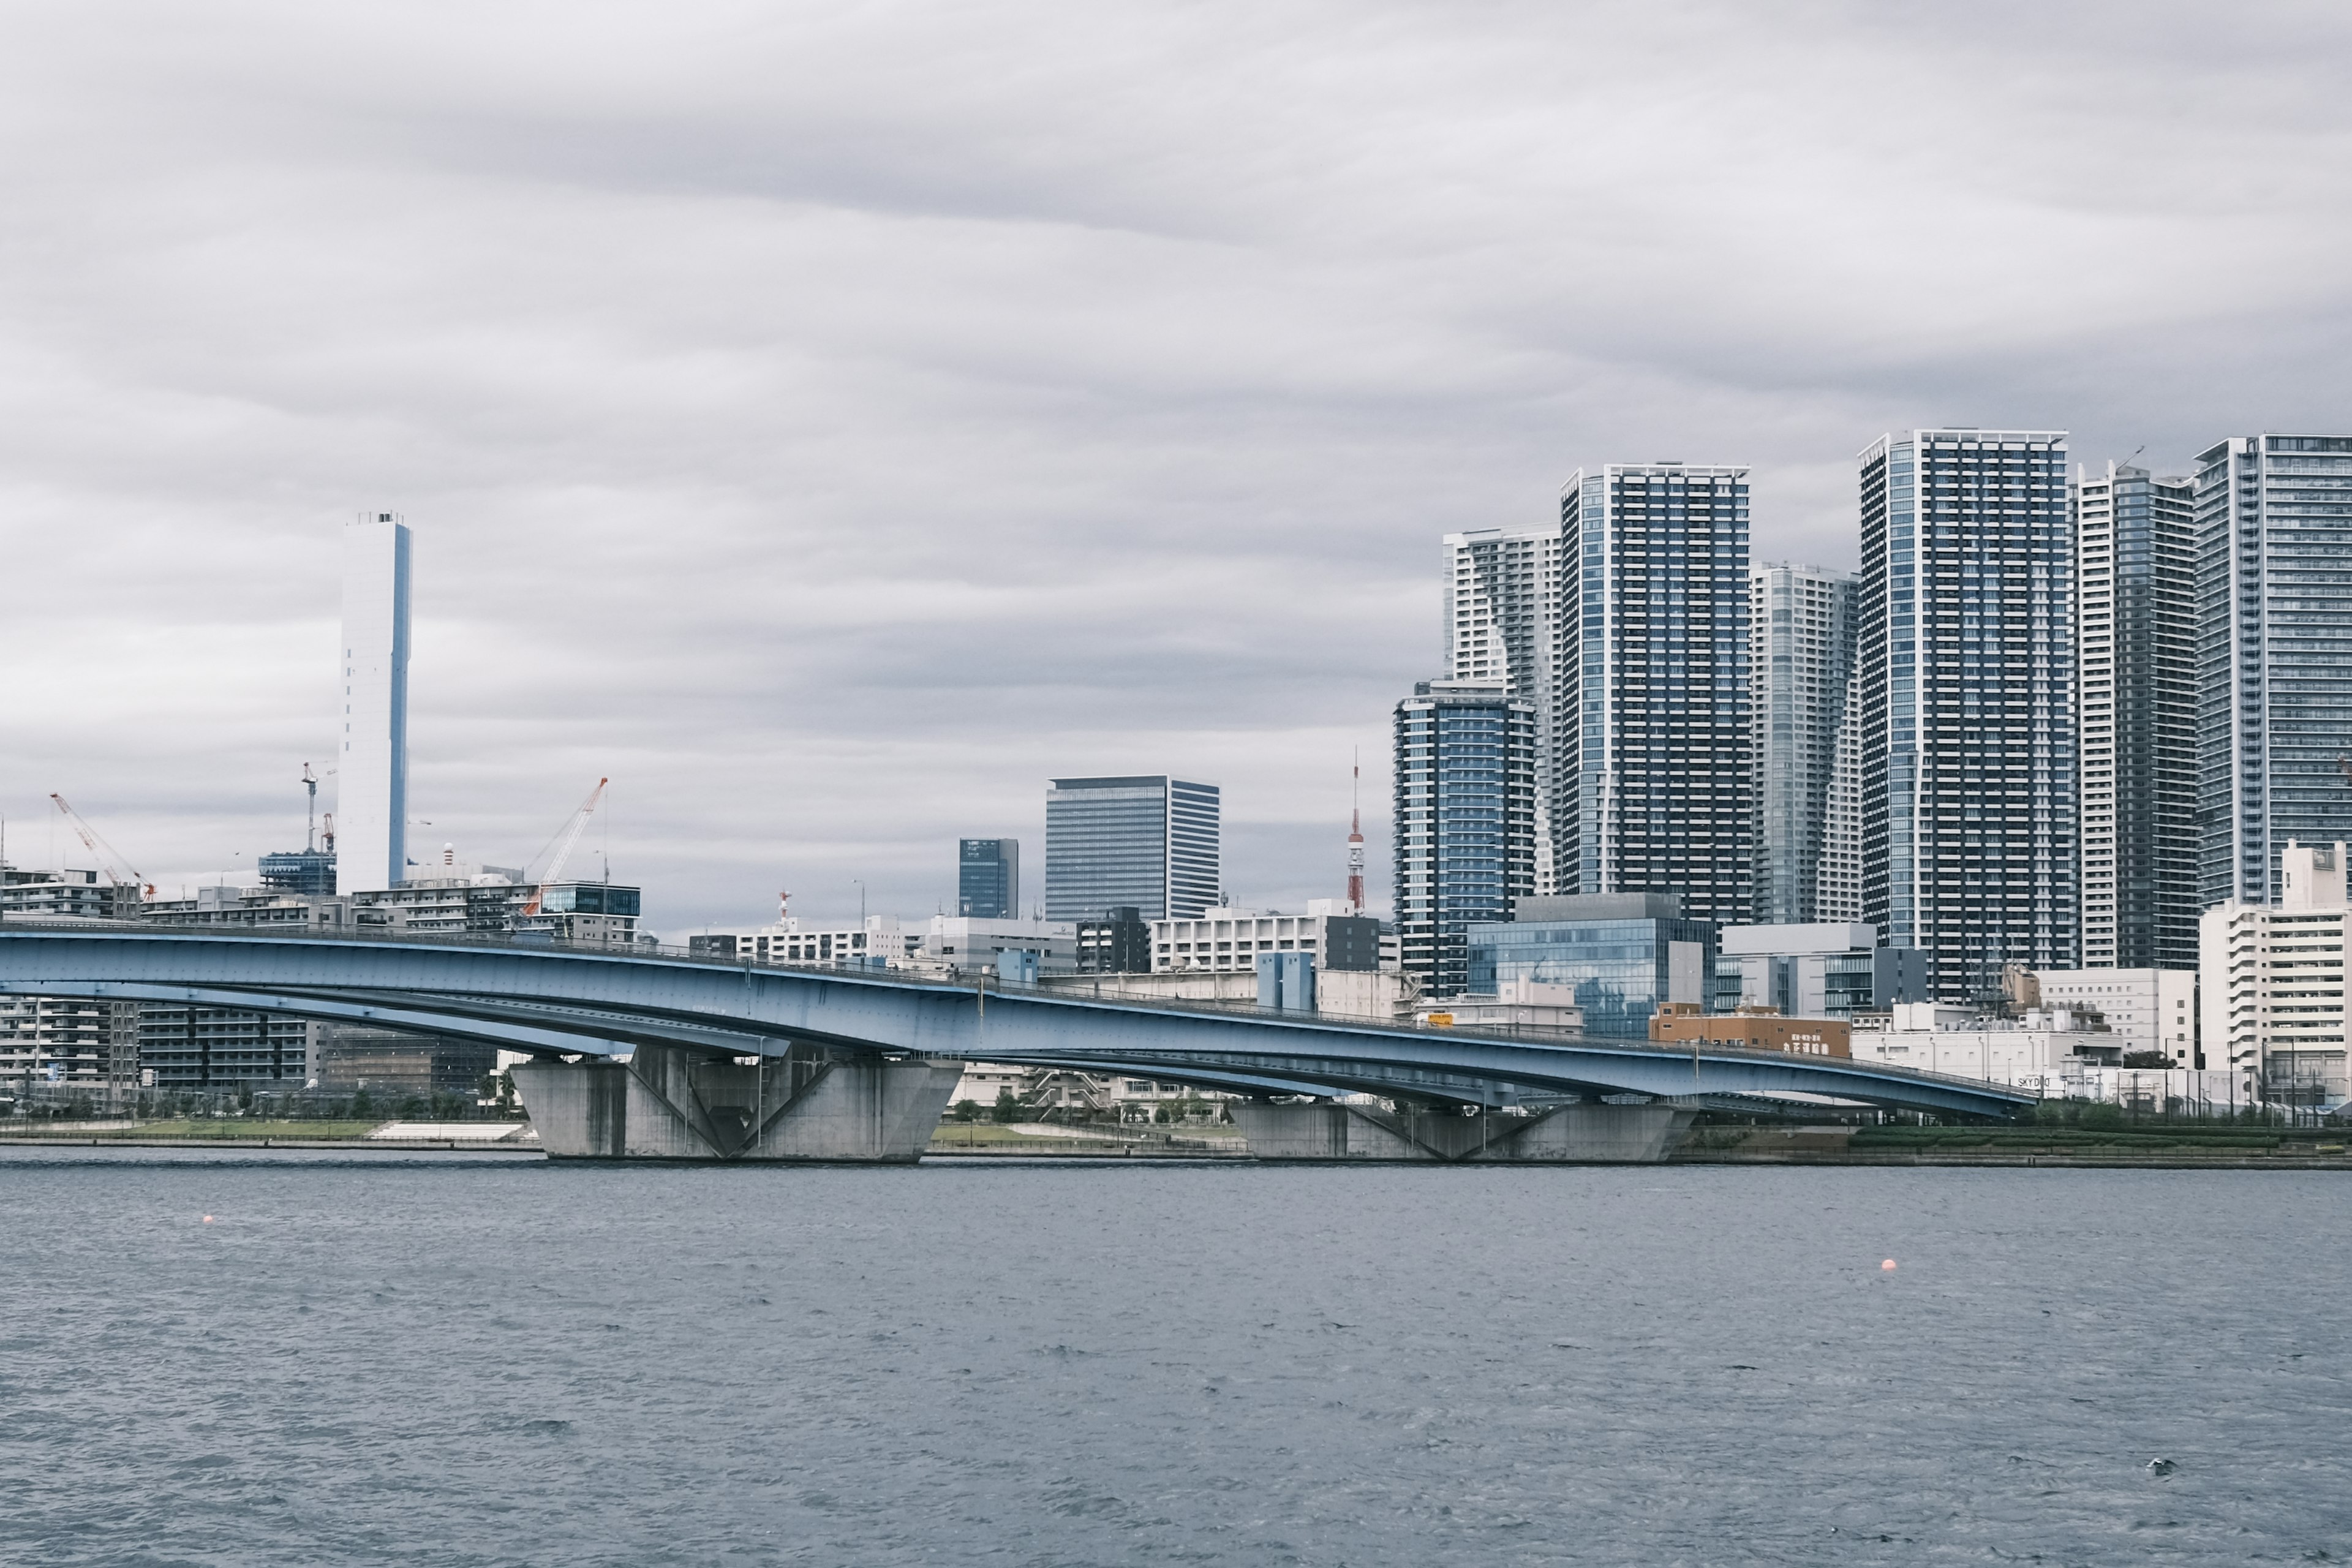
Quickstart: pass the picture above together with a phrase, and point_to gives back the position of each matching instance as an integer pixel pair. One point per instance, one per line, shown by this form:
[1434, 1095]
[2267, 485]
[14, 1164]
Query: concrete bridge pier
[1590, 1133]
[677, 1102]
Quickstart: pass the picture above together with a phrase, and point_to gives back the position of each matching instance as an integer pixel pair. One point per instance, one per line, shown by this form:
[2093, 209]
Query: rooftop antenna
[1356, 834]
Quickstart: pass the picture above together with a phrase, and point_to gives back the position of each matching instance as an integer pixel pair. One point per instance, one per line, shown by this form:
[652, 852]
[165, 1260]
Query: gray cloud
[830, 422]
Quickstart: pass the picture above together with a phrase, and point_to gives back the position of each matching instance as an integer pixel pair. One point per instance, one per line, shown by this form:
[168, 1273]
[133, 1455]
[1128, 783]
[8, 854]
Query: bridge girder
[560, 1001]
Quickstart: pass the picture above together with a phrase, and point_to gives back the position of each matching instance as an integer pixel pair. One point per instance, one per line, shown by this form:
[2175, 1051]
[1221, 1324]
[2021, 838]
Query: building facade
[1800, 669]
[1623, 954]
[2275, 656]
[1965, 659]
[1465, 820]
[64, 894]
[1149, 841]
[988, 879]
[1501, 614]
[59, 1050]
[372, 786]
[1829, 970]
[2136, 648]
[1653, 787]
[2149, 1011]
[185, 1046]
[2269, 983]
[1231, 938]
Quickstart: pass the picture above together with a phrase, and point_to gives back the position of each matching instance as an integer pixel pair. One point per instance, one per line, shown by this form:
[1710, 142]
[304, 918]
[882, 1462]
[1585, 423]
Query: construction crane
[563, 843]
[108, 860]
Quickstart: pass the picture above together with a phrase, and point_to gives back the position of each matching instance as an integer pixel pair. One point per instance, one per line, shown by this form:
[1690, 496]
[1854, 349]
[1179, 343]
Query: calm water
[414, 1361]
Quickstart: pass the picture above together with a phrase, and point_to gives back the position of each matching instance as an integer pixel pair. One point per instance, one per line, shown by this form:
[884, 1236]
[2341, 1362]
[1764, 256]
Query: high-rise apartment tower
[372, 787]
[1807, 862]
[2136, 648]
[1149, 842]
[1465, 820]
[2275, 656]
[1966, 653]
[1502, 603]
[1653, 783]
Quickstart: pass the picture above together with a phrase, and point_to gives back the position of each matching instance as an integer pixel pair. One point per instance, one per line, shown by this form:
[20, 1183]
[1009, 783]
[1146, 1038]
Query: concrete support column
[672, 1102]
[1568, 1134]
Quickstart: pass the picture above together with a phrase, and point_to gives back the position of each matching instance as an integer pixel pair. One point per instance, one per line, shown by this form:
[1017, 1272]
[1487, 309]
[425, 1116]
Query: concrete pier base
[669, 1102]
[1568, 1134]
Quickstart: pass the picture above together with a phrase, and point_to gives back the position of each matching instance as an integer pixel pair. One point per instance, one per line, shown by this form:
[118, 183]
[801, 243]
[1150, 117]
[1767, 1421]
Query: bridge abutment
[1566, 1134]
[670, 1102]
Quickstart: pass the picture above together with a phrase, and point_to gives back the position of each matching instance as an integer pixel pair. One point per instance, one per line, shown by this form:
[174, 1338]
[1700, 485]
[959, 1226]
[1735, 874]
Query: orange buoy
[1887, 1267]
[208, 1219]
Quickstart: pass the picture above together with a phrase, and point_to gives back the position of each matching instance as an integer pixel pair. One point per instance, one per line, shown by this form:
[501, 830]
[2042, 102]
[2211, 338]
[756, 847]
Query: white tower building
[1502, 614]
[372, 790]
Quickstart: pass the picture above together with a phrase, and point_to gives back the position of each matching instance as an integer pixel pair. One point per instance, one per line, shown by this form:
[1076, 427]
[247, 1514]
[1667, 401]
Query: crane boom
[570, 837]
[95, 842]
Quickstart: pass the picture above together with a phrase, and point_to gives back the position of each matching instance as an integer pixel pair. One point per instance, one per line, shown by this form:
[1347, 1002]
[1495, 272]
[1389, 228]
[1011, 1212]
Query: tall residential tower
[1808, 863]
[2136, 587]
[1502, 604]
[1653, 783]
[1966, 653]
[372, 786]
[2275, 656]
[1465, 820]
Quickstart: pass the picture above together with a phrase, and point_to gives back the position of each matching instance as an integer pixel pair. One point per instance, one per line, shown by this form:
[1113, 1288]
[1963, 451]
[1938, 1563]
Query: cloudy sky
[831, 421]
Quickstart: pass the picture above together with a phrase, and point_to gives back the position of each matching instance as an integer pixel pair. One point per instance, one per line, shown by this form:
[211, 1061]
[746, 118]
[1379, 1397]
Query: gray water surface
[418, 1360]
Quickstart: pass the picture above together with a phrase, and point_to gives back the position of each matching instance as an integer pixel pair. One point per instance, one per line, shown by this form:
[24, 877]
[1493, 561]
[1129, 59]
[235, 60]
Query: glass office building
[1653, 780]
[1465, 820]
[1807, 848]
[988, 879]
[1966, 655]
[1623, 952]
[2136, 651]
[1149, 841]
[2275, 656]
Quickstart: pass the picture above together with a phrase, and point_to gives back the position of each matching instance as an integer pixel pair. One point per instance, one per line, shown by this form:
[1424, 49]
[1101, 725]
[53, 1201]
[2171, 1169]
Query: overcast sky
[831, 421]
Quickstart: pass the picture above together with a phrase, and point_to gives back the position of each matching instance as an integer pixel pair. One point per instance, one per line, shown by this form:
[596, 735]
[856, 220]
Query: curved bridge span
[725, 1059]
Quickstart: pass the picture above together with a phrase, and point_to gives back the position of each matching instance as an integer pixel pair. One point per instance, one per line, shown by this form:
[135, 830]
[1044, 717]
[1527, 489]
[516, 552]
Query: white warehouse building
[2272, 979]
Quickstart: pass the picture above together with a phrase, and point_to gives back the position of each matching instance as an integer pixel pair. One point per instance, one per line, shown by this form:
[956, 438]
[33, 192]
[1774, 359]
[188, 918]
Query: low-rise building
[1622, 954]
[1752, 1029]
[1230, 938]
[1832, 970]
[1372, 995]
[29, 894]
[2271, 984]
[185, 1046]
[948, 946]
[1513, 1005]
[2152, 1011]
[1973, 1042]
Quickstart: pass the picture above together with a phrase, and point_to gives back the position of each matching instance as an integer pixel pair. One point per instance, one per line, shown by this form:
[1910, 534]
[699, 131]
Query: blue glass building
[1966, 650]
[1623, 952]
[1465, 820]
[988, 879]
[2274, 654]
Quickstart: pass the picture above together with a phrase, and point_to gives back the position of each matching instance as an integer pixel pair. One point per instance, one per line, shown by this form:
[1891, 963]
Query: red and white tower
[1356, 841]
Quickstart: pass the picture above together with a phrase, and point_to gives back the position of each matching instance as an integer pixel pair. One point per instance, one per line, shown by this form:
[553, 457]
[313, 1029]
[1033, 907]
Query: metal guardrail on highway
[991, 984]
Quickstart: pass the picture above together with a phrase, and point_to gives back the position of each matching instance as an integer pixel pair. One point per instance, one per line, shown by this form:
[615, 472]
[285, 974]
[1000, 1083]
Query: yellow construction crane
[108, 860]
[569, 836]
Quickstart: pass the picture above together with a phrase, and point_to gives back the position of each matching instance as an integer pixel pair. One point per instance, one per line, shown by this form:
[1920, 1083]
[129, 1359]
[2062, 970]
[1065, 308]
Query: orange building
[1752, 1029]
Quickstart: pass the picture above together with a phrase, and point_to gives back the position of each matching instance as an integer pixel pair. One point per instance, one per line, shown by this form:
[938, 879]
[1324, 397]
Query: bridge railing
[989, 983]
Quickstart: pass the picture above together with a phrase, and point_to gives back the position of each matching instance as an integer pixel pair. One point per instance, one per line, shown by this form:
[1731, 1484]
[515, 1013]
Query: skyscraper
[1966, 652]
[2136, 644]
[2275, 656]
[371, 791]
[1801, 668]
[1465, 819]
[1502, 600]
[988, 879]
[1653, 784]
[1147, 841]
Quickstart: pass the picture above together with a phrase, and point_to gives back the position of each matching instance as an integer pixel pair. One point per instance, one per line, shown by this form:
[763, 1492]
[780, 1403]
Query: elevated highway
[731, 1060]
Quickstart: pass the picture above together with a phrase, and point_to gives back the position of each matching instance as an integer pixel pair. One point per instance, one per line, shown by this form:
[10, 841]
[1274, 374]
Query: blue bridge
[654, 1055]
